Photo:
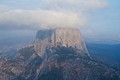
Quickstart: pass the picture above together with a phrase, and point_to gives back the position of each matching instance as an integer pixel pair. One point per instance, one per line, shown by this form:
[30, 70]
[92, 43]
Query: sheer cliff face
[67, 37]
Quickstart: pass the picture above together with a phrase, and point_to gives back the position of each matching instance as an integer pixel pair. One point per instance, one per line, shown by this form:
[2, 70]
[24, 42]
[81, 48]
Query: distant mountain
[57, 54]
[105, 53]
[60, 64]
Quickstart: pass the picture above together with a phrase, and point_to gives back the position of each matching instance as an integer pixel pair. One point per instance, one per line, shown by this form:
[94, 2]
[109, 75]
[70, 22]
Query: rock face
[67, 37]
[57, 54]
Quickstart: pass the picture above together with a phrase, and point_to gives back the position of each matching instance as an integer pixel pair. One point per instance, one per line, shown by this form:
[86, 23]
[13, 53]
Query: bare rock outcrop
[56, 55]
[67, 37]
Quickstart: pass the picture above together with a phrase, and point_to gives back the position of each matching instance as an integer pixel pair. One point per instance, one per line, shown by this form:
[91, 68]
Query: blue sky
[105, 23]
[97, 19]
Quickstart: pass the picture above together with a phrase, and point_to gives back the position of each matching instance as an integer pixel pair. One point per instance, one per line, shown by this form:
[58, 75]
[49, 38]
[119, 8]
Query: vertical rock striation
[67, 37]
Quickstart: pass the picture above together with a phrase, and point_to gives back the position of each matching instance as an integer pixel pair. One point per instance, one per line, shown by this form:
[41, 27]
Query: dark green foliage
[27, 52]
[53, 74]
[65, 50]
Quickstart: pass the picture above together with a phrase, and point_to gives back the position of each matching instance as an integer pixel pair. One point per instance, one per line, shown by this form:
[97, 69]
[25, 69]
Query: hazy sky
[97, 19]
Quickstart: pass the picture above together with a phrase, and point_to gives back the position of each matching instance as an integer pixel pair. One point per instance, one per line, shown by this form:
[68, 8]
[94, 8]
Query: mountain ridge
[48, 60]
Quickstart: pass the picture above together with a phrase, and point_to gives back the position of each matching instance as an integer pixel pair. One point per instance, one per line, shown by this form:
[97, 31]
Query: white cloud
[4, 7]
[40, 19]
[58, 13]
[79, 5]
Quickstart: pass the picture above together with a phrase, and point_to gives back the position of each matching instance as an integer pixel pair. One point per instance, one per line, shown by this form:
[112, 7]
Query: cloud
[78, 5]
[4, 8]
[39, 19]
[57, 13]
[90, 33]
